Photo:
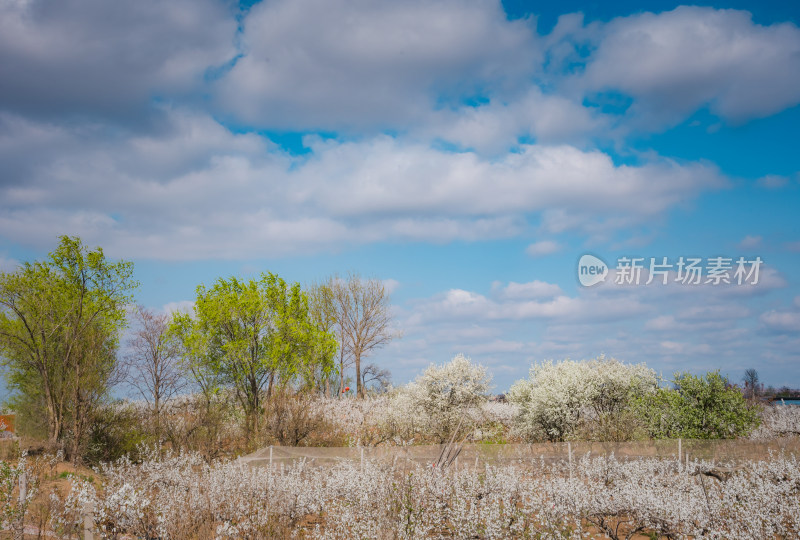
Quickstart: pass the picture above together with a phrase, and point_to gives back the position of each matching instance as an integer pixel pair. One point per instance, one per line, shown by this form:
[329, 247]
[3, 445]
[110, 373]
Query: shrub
[114, 432]
[560, 400]
[182, 497]
[699, 407]
[13, 506]
[446, 396]
[291, 419]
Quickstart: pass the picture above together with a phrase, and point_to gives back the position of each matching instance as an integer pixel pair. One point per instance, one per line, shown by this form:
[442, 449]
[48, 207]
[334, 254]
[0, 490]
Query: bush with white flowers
[559, 397]
[182, 497]
[446, 396]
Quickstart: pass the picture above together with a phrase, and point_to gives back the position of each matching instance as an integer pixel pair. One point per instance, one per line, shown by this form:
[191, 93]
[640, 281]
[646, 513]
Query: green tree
[324, 311]
[59, 326]
[699, 407]
[251, 334]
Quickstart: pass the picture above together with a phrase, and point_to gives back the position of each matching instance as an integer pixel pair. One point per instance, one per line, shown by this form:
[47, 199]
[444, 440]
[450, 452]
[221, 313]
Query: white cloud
[387, 176]
[90, 57]
[543, 247]
[533, 289]
[497, 346]
[336, 64]
[676, 62]
[750, 241]
[390, 285]
[772, 181]
[8, 264]
[526, 301]
[782, 321]
[181, 306]
[684, 349]
[706, 312]
[498, 125]
[194, 189]
[670, 327]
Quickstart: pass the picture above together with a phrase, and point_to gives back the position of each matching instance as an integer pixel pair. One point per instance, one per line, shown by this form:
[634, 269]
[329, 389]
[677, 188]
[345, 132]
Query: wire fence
[499, 454]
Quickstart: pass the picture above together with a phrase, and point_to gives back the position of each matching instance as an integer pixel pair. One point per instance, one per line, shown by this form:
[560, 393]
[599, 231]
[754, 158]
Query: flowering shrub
[396, 419]
[778, 421]
[182, 496]
[446, 396]
[601, 399]
[559, 398]
[13, 506]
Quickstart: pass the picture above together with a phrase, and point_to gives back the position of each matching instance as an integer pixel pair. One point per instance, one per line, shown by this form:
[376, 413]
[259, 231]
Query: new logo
[591, 270]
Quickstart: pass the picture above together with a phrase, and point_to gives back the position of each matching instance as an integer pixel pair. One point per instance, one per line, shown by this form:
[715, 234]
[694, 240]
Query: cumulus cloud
[195, 189]
[386, 176]
[671, 327]
[390, 285]
[750, 241]
[522, 301]
[8, 264]
[532, 289]
[97, 59]
[497, 126]
[543, 247]
[772, 181]
[676, 62]
[493, 347]
[181, 306]
[781, 321]
[322, 64]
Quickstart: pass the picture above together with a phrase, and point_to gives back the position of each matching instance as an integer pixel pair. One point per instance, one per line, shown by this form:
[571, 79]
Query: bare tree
[365, 319]
[358, 312]
[375, 377]
[751, 381]
[153, 362]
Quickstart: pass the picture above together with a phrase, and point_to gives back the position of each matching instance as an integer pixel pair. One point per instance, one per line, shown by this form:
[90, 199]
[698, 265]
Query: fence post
[18, 525]
[569, 452]
[88, 521]
[23, 488]
[270, 459]
[679, 450]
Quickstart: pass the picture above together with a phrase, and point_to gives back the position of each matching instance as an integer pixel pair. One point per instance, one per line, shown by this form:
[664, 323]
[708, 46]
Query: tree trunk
[157, 406]
[270, 385]
[359, 386]
[76, 435]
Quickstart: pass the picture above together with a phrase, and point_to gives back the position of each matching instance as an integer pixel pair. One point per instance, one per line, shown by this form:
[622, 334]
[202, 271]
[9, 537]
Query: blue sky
[466, 152]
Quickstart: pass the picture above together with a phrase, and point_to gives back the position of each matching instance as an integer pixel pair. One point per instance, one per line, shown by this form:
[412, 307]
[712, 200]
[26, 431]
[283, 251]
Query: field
[183, 496]
[747, 489]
